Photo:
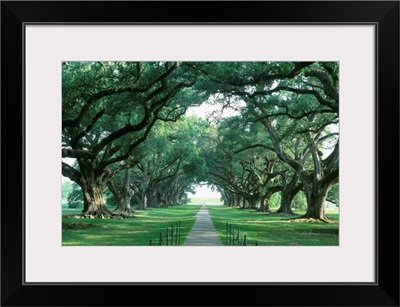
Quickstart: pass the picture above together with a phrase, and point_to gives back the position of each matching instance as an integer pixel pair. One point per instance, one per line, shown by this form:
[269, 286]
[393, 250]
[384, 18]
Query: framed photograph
[255, 57]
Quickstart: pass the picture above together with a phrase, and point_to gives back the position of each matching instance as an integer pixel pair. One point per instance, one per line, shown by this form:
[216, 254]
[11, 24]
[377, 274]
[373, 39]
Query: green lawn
[263, 228]
[130, 232]
[274, 230]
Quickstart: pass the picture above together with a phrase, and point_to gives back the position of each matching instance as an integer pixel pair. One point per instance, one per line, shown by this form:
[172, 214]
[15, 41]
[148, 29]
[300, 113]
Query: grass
[274, 230]
[130, 232]
[66, 210]
[263, 228]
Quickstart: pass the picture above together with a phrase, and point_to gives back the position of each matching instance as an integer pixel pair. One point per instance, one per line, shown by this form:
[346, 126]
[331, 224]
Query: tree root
[101, 215]
[125, 211]
[282, 213]
[79, 225]
[308, 220]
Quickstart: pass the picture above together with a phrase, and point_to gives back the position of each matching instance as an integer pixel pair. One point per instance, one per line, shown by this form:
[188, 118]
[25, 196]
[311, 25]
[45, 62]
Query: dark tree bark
[264, 203]
[123, 194]
[287, 194]
[316, 196]
[253, 202]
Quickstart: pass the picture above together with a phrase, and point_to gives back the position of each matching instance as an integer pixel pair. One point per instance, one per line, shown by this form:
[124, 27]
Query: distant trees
[66, 188]
[74, 197]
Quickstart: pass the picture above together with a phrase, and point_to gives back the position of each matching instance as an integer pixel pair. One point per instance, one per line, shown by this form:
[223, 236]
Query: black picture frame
[383, 14]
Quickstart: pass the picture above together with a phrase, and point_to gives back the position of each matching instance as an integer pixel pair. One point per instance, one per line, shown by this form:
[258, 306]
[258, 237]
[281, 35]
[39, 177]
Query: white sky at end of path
[204, 192]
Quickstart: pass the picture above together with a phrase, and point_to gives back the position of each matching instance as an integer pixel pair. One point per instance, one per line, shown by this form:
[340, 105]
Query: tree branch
[71, 173]
[254, 146]
[111, 91]
[76, 139]
[76, 153]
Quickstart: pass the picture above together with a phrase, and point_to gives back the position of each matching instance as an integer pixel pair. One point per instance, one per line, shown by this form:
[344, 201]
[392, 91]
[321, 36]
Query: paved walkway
[203, 232]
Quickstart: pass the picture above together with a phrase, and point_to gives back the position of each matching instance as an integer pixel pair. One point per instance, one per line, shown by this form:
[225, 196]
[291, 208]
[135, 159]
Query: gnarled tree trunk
[93, 187]
[123, 194]
[264, 203]
[287, 194]
[316, 199]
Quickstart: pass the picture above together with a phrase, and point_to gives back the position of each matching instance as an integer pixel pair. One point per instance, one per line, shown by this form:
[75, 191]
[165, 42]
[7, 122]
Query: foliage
[281, 151]
[75, 197]
[333, 195]
[66, 189]
[299, 202]
[275, 201]
[110, 199]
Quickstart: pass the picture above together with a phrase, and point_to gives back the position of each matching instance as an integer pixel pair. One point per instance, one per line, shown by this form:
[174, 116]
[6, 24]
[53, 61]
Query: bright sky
[205, 110]
[204, 192]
